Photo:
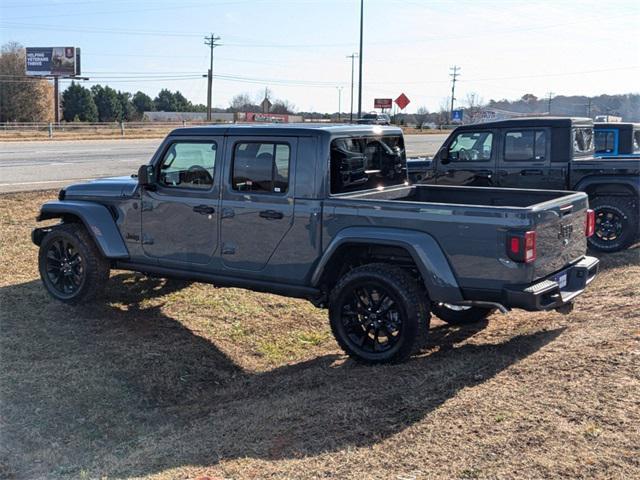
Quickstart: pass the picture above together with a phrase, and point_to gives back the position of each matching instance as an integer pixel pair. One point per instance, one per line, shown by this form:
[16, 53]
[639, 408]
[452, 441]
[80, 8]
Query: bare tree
[282, 107]
[473, 107]
[421, 116]
[22, 99]
[243, 103]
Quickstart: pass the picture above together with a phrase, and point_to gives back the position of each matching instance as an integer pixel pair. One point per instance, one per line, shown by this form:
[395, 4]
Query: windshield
[636, 141]
[364, 163]
[583, 141]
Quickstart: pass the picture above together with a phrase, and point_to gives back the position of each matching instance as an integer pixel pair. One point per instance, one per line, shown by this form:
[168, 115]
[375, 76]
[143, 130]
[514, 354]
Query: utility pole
[360, 60]
[454, 78]
[549, 98]
[353, 56]
[56, 100]
[339, 103]
[210, 41]
[589, 108]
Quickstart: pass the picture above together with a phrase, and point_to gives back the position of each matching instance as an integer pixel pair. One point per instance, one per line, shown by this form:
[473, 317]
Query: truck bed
[476, 196]
[471, 225]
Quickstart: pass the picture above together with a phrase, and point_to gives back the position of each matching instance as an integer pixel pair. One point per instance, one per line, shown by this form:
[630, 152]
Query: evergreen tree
[142, 103]
[108, 103]
[78, 104]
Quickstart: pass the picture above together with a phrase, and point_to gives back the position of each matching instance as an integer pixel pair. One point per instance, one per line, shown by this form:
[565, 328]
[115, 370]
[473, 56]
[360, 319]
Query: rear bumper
[553, 291]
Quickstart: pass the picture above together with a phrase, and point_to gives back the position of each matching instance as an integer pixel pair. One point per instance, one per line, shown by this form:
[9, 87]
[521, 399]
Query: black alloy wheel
[372, 318]
[64, 267]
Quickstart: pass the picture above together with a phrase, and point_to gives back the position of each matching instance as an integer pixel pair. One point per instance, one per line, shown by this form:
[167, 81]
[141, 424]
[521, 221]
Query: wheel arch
[609, 186]
[397, 246]
[96, 218]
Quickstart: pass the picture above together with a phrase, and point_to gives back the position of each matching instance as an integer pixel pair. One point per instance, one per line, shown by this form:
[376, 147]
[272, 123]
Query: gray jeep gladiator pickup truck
[548, 153]
[323, 213]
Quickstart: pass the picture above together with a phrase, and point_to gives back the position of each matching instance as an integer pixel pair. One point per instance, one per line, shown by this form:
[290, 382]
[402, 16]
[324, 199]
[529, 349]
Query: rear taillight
[591, 223]
[521, 247]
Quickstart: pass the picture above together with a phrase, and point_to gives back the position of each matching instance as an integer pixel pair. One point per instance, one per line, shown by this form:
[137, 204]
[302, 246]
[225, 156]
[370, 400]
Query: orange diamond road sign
[402, 101]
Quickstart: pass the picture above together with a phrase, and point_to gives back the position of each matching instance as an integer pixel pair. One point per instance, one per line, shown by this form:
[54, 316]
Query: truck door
[524, 160]
[468, 160]
[180, 215]
[257, 199]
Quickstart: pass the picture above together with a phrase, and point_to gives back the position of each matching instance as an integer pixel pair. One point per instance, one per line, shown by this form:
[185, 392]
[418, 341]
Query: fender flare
[439, 279]
[97, 220]
[628, 181]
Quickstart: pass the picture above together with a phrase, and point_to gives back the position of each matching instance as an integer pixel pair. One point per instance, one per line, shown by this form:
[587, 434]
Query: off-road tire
[405, 292]
[624, 210]
[95, 267]
[460, 317]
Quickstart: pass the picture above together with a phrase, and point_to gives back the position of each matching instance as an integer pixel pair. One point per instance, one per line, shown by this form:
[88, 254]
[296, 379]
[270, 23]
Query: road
[41, 165]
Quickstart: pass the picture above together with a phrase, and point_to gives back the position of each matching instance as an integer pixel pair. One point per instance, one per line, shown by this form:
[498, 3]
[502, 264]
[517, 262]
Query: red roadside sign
[402, 101]
[382, 103]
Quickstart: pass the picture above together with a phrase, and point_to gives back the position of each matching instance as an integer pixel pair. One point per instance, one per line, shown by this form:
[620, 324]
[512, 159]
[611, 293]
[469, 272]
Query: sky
[299, 48]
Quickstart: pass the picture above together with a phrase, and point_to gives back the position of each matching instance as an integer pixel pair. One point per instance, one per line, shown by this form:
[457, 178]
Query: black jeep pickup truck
[546, 153]
[323, 213]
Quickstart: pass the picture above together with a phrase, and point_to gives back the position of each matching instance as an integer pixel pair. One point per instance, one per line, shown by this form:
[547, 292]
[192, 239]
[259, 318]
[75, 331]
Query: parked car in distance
[322, 213]
[546, 153]
[375, 118]
[617, 139]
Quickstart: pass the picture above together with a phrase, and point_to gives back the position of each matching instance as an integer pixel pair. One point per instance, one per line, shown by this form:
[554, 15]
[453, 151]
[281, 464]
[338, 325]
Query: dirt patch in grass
[166, 380]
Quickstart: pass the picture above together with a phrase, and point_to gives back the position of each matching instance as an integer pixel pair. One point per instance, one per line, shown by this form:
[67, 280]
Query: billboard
[382, 102]
[53, 61]
[456, 116]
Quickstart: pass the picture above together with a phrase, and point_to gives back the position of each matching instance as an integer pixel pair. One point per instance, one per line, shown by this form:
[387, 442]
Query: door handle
[530, 172]
[271, 215]
[204, 209]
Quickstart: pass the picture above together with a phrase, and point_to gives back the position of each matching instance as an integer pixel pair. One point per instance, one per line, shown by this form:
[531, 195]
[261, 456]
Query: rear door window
[604, 141]
[525, 145]
[261, 167]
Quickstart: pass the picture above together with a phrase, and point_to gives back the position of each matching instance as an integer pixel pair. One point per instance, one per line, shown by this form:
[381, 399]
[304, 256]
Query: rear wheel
[377, 314]
[71, 267]
[460, 315]
[616, 223]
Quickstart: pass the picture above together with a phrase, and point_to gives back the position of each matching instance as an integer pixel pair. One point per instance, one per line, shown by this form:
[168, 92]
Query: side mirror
[146, 176]
[444, 156]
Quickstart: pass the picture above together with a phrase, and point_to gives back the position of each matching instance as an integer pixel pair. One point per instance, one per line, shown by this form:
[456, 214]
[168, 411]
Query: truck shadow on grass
[129, 391]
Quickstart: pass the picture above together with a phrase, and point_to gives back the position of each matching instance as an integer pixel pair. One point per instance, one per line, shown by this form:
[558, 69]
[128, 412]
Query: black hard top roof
[288, 129]
[616, 125]
[534, 122]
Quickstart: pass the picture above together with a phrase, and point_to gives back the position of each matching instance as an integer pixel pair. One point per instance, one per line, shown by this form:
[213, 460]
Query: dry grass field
[133, 133]
[163, 381]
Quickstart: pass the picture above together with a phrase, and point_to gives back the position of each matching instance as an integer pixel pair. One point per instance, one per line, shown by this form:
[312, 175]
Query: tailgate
[560, 233]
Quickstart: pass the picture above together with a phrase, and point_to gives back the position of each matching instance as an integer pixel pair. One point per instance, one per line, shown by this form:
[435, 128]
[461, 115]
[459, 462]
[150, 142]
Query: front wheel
[616, 223]
[71, 267]
[460, 315]
[377, 314]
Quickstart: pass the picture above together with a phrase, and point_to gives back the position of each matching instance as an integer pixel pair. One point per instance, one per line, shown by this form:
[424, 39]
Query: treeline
[104, 104]
[626, 106]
